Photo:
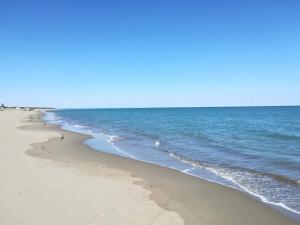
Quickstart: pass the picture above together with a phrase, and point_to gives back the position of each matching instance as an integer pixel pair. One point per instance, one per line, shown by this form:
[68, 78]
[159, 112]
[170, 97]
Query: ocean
[253, 149]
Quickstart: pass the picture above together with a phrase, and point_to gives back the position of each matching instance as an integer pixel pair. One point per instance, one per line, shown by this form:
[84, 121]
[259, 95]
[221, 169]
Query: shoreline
[161, 189]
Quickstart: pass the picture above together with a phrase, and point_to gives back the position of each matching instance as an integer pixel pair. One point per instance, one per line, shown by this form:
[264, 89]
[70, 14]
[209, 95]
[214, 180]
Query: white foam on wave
[112, 139]
[51, 117]
[231, 179]
[185, 161]
[188, 170]
[79, 126]
[261, 197]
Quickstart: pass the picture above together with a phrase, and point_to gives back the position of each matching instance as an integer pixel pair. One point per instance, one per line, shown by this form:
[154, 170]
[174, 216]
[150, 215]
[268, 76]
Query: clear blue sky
[149, 53]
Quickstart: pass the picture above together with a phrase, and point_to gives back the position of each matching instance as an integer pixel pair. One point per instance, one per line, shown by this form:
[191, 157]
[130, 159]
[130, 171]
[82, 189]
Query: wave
[278, 177]
[260, 196]
[220, 172]
[281, 136]
[79, 126]
[112, 139]
[187, 161]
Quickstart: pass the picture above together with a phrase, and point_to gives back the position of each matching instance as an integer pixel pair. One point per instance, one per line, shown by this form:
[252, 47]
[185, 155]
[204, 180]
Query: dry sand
[42, 192]
[64, 182]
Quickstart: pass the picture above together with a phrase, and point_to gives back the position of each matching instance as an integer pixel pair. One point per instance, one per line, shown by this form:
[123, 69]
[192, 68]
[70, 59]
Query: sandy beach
[45, 179]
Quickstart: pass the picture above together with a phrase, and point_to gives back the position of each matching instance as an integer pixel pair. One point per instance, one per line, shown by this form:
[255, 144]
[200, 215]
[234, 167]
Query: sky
[138, 53]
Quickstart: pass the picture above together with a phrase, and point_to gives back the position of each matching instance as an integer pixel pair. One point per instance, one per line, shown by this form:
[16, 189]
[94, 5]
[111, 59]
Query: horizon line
[172, 107]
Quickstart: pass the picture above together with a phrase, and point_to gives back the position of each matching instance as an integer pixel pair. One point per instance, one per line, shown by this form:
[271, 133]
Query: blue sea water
[253, 149]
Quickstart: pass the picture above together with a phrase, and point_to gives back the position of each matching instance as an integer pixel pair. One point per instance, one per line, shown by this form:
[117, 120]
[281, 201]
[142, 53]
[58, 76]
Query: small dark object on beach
[62, 137]
[44, 124]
